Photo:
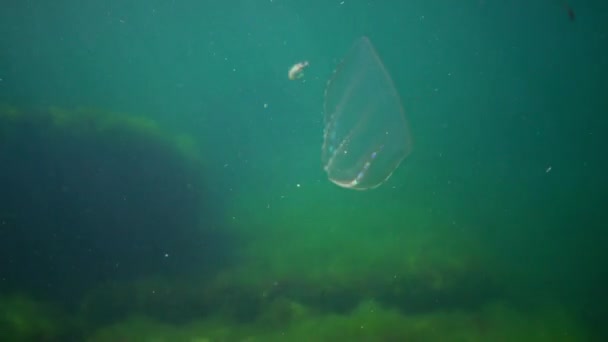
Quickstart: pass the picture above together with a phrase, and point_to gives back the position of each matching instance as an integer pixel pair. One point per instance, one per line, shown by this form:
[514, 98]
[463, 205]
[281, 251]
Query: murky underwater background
[161, 177]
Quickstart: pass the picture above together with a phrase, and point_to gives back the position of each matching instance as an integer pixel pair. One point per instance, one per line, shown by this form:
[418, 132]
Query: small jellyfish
[297, 70]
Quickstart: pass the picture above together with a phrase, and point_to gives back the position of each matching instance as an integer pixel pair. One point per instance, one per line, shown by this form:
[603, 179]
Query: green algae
[25, 319]
[84, 121]
[369, 322]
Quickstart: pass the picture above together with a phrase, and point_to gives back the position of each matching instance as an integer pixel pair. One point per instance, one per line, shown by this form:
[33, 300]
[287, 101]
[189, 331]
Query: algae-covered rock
[369, 321]
[90, 196]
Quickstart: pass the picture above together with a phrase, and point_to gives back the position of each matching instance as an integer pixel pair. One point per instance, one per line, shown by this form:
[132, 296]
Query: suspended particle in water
[297, 70]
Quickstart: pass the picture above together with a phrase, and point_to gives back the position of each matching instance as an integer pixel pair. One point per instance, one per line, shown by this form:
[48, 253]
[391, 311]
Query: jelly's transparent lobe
[366, 134]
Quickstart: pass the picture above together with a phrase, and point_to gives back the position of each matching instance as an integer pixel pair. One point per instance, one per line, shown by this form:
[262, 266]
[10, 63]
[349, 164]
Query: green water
[496, 221]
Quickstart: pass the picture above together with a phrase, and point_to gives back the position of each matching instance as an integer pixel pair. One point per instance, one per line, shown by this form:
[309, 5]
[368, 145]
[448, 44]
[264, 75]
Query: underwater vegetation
[90, 196]
[109, 231]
